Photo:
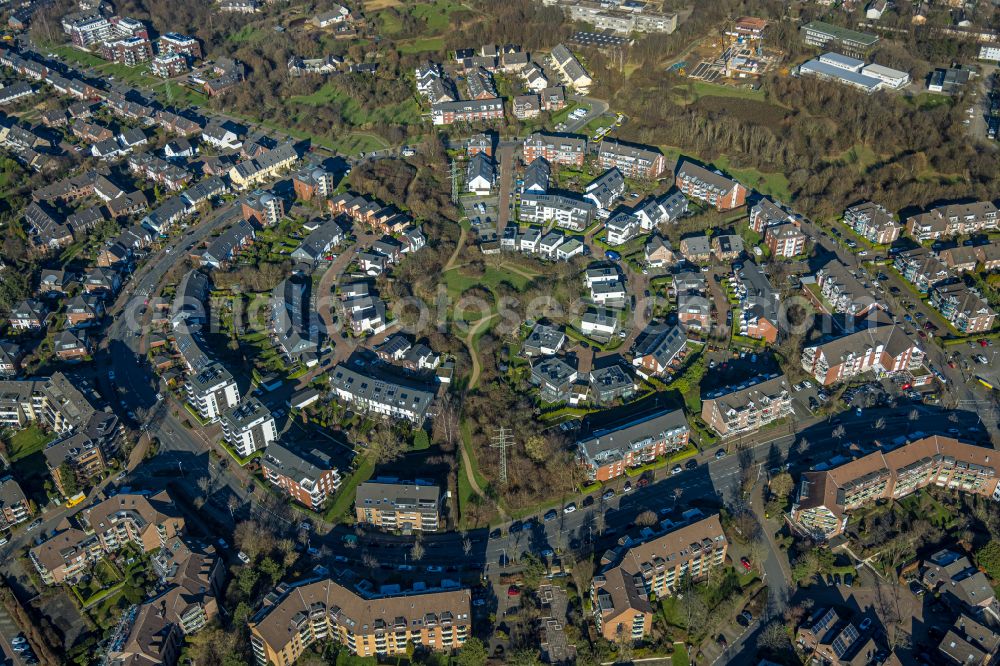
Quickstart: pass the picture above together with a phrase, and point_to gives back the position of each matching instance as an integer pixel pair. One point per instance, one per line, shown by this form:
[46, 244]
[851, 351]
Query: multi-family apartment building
[381, 393]
[829, 637]
[265, 166]
[785, 240]
[658, 349]
[467, 110]
[824, 499]
[759, 304]
[965, 308]
[711, 187]
[14, 506]
[842, 291]
[766, 213]
[873, 222]
[313, 182]
[621, 593]
[607, 453]
[308, 476]
[172, 42]
[632, 160]
[566, 211]
[211, 391]
[748, 407]
[884, 350]
[953, 220]
[694, 310]
[296, 616]
[394, 505]
[921, 268]
[573, 73]
[147, 521]
[248, 427]
[555, 148]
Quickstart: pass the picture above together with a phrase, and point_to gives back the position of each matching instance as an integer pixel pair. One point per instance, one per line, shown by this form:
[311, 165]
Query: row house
[921, 268]
[468, 111]
[385, 219]
[381, 393]
[228, 244]
[965, 308]
[953, 220]
[632, 160]
[299, 615]
[711, 187]
[572, 72]
[824, 500]
[621, 594]
[307, 476]
[555, 148]
[884, 350]
[608, 453]
[966, 258]
[159, 171]
[480, 84]
[873, 222]
[748, 407]
[263, 167]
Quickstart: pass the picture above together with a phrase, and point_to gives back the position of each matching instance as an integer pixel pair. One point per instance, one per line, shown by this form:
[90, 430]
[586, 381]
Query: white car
[570, 508]
[676, 470]
[243, 557]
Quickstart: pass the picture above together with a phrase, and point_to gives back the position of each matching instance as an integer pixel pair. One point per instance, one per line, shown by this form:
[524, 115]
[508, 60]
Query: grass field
[422, 45]
[345, 497]
[772, 184]
[704, 89]
[26, 442]
[404, 113]
[437, 14]
[75, 55]
[456, 282]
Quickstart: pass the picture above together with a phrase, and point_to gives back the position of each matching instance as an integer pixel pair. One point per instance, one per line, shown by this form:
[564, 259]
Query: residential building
[659, 348]
[303, 613]
[953, 220]
[212, 391]
[263, 207]
[527, 106]
[306, 474]
[667, 209]
[14, 506]
[609, 452]
[969, 642]
[766, 213]
[381, 393]
[842, 40]
[228, 244]
[172, 42]
[605, 190]
[694, 310]
[621, 228]
[620, 594]
[544, 340]
[599, 324]
[842, 292]
[572, 72]
[633, 160]
[555, 377]
[824, 499]
[873, 222]
[785, 240]
[830, 638]
[146, 521]
[884, 350]
[394, 505]
[479, 143]
[248, 427]
[467, 111]
[921, 268]
[711, 187]
[727, 246]
[295, 326]
[965, 308]
[555, 148]
[480, 174]
[957, 581]
[658, 252]
[263, 167]
[748, 407]
[759, 304]
[320, 242]
[567, 212]
[536, 176]
[480, 84]
[28, 315]
[313, 182]
[611, 383]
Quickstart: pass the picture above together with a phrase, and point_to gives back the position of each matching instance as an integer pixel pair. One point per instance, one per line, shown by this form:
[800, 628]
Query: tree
[417, 551]
[385, 444]
[271, 568]
[537, 448]
[466, 545]
[68, 479]
[782, 484]
[473, 653]
[839, 433]
[988, 559]
[583, 573]
[646, 519]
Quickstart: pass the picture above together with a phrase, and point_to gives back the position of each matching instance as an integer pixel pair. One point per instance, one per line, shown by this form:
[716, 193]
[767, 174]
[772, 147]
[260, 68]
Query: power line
[501, 440]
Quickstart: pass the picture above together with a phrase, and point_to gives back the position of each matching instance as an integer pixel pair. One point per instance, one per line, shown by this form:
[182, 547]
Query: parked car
[570, 508]
[513, 591]
[35, 524]
[676, 470]
[746, 563]
[608, 494]
[551, 515]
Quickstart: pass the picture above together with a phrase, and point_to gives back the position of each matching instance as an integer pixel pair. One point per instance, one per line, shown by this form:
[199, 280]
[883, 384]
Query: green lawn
[75, 55]
[457, 282]
[772, 184]
[404, 113]
[437, 14]
[705, 89]
[391, 25]
[421, 45]
[247, 33]
[26, 442]
[358, 142]
[345, 497]
[680, 656]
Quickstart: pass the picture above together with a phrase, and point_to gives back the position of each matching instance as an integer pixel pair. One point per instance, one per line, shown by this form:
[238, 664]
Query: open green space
[421, 45]
[345, 496]
[403, 113]
[457, 282]
[437, 14]
[772, 184]
[705, 89]
[76, 56]
[27, 442]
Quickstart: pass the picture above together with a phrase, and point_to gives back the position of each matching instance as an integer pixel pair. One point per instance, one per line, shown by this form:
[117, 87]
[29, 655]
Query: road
[506, 153]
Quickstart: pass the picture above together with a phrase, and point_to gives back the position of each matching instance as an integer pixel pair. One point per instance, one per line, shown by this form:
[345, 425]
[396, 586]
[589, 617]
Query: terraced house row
[825, 499]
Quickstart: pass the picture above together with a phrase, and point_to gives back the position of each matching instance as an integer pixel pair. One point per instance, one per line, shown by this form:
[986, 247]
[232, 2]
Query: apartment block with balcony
[396, 505]
[212, 391]
[964, 307]
[824, 499]
[921, 268]
[14, 506]
[307, 475]
[842, 292]
[555, 148]
[873, 222]
[634, 161]
[248, 427]
[953, 220]
[294, 617]
[748, 407]
[711, 187]
[608, 453]
[882, 350]
[620, 594]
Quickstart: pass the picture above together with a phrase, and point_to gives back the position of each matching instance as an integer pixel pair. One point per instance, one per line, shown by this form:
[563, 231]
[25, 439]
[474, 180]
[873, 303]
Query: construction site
[740, 53]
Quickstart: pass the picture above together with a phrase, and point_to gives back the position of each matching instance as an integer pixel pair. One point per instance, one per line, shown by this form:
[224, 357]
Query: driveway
[507, 154]
[598, 107]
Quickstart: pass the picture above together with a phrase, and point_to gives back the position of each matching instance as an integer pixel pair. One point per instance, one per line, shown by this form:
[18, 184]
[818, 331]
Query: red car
[982, 342]
[513, 591]
[745, 562]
